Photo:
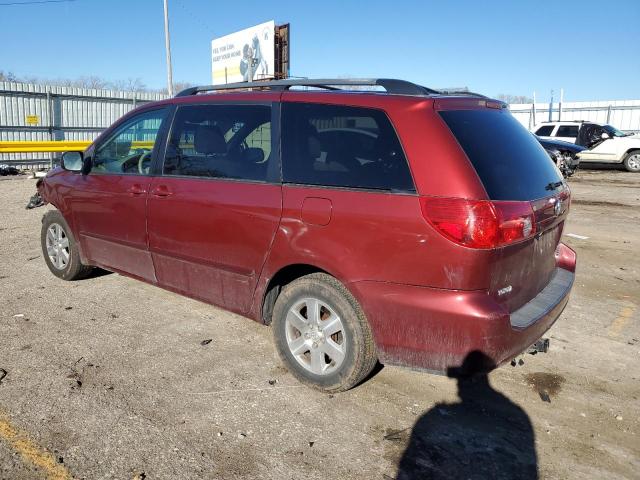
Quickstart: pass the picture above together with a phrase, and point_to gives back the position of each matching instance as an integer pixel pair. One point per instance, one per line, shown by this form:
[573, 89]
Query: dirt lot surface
[109, 378]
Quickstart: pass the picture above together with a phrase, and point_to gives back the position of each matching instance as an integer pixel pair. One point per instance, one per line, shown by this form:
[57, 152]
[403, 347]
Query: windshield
[613, 131]
[509, 160]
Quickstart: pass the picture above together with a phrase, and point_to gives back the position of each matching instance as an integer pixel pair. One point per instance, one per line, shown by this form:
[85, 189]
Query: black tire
[632, 161]
[73, 269]
[360, 355]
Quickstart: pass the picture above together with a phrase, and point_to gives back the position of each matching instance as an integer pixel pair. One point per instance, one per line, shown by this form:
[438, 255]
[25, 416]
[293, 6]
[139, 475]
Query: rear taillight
[480, 223]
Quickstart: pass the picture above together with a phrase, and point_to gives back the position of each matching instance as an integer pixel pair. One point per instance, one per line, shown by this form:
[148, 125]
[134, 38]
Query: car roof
[568, 122]
[353, 86]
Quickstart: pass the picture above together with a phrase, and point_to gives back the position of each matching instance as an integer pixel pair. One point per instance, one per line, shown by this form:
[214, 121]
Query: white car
[604, 143]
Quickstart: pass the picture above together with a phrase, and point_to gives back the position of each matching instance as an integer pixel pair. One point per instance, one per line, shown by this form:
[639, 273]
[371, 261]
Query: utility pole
[560, 104]
[167, 45]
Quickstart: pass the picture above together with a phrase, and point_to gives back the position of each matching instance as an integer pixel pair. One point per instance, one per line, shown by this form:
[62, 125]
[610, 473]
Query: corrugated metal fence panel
[622, 114]
[72, 114]
[81, 113]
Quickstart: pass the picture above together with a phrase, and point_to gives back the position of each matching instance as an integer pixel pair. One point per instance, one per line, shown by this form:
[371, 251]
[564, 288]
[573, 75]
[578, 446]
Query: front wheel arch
[73, 267]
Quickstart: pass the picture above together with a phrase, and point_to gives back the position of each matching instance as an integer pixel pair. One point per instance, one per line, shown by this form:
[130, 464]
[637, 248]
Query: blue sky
[589, 48]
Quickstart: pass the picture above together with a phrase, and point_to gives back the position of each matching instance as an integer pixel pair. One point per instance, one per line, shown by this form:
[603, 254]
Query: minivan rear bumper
[435, 329]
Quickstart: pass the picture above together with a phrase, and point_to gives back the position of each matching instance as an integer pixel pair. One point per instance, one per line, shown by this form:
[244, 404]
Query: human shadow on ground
[483, 436]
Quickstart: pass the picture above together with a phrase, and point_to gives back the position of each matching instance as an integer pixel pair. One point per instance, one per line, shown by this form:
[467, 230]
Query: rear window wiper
[554, 185]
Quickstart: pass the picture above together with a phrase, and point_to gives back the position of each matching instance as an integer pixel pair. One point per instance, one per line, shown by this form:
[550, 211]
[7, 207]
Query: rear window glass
[509, 160]
[342, 146]
[545, 131]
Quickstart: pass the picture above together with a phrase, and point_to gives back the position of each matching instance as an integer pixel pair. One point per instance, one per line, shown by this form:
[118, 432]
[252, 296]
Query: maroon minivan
[403, 226]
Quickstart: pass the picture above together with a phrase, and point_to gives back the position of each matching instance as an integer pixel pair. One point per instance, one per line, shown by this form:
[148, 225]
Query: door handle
[161, 191]
[136, 189]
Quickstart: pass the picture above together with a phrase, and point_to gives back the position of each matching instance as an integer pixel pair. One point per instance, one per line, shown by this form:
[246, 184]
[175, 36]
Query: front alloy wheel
[60, 249]
[632, 162]
[57, 246]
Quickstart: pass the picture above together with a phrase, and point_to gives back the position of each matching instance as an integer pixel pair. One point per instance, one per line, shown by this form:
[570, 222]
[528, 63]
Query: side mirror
[604, 136]
[72, 161]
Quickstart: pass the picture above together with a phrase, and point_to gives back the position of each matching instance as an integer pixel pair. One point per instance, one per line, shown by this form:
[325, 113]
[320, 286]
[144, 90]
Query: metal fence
[40, 112]
[622, 114]
[51, 113]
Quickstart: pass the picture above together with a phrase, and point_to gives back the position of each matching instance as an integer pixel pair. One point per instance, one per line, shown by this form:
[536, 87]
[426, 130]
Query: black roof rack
[460, 91]
[391, 85]
[567, 121]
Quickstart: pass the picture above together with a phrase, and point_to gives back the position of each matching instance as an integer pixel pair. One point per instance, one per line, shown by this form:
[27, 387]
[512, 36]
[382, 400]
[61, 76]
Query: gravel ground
[108, 378]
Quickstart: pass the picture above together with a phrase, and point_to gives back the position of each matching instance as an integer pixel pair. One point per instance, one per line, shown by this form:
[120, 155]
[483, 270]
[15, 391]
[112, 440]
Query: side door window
[342, 146]
[567, 131]
[130, 148]
[593, 134]
[545, 131]
[220, 141]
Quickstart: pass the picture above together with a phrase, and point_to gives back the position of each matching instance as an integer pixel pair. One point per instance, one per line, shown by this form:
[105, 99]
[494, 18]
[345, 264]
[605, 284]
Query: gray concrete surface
[107, 377]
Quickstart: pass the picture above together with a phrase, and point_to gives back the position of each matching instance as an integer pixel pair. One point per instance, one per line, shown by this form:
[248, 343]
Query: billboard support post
[282, 51]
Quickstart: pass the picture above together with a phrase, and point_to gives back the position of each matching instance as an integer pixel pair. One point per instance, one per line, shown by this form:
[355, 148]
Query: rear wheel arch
[321, 333]
[279, 280]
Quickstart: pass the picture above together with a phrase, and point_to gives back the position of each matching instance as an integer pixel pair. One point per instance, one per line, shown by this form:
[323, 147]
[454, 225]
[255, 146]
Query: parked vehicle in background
[563, 154]
[603, 143]
[408, 227]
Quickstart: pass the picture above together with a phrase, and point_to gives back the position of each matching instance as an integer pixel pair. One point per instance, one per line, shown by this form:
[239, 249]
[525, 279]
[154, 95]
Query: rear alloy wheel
[316, 337]
[632, 161]
[60, 249]
[322, 334]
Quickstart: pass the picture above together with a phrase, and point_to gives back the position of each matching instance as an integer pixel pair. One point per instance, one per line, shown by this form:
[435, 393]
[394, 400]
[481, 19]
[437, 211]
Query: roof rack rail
[567, 121]
[461, 91]
[391, 85]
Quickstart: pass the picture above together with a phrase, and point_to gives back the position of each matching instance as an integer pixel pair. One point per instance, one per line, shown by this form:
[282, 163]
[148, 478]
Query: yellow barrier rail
[57, 146]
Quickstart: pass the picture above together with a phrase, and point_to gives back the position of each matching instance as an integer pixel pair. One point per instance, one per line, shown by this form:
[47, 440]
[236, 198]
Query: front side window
[567, 131]
[129, 148]
[594, 132]
[545, 131]
[332, 145]
[613, 131]
[220, 141]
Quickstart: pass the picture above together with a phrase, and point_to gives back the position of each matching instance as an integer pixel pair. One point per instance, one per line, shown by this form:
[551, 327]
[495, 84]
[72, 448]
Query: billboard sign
[244, 56]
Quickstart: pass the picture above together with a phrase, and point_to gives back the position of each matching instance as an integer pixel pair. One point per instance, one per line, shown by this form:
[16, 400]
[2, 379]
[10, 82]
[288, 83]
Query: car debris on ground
[6, 170]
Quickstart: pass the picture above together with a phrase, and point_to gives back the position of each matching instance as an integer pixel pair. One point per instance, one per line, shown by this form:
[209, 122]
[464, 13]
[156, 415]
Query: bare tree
[8, 76]
[177, 87]
[130, 84]
[508, 98]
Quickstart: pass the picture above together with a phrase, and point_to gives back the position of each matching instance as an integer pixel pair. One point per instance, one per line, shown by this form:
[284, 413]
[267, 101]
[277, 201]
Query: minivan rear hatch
[515, 170]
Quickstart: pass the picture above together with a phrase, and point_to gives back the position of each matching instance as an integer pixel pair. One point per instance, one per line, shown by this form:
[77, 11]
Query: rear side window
[510, 162]
[567, 131]
[342, 146]
[220, 141]
[545, 131]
